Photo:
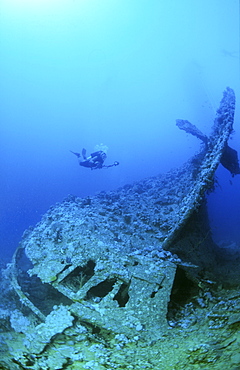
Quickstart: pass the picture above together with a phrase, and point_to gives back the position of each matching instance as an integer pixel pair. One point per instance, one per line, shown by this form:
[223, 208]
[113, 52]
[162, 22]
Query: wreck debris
[210, 158]
[191, 129]
[230, 161]
[14, 281]
[108, 263]
[223, 122]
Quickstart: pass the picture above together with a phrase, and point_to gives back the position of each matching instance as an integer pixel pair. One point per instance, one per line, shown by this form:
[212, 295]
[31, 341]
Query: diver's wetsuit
[95, 160]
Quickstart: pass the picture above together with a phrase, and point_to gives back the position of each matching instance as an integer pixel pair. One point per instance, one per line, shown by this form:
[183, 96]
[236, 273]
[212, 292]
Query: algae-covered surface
[203, 338]
[127, 279]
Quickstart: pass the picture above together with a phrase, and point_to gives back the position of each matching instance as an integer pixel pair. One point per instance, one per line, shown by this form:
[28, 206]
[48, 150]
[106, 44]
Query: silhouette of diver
[94, 161]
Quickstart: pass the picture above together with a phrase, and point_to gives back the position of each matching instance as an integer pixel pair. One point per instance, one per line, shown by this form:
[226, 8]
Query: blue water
[79, 73]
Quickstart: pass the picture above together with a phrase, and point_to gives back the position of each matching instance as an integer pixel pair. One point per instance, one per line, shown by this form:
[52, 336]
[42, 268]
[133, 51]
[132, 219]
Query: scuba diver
[94, 161]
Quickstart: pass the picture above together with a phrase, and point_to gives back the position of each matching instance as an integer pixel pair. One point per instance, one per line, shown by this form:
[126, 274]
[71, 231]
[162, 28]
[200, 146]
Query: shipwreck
[117, 280]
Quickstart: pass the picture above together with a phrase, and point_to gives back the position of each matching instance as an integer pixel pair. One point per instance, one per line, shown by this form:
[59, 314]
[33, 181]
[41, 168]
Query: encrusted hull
[99, 273]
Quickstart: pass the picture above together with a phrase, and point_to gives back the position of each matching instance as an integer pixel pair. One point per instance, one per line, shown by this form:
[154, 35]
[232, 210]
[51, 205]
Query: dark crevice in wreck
[194, 244]
[79, 276]
[99, 291]
[122, 295]
[42, 295]
[183, 291]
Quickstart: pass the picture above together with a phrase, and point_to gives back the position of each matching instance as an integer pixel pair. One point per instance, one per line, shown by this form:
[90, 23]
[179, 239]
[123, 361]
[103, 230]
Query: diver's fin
[84, 153]
[77, 154]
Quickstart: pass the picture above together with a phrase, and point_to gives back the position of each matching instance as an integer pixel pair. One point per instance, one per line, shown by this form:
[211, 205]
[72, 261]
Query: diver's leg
[84, 153]
[77, 154]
